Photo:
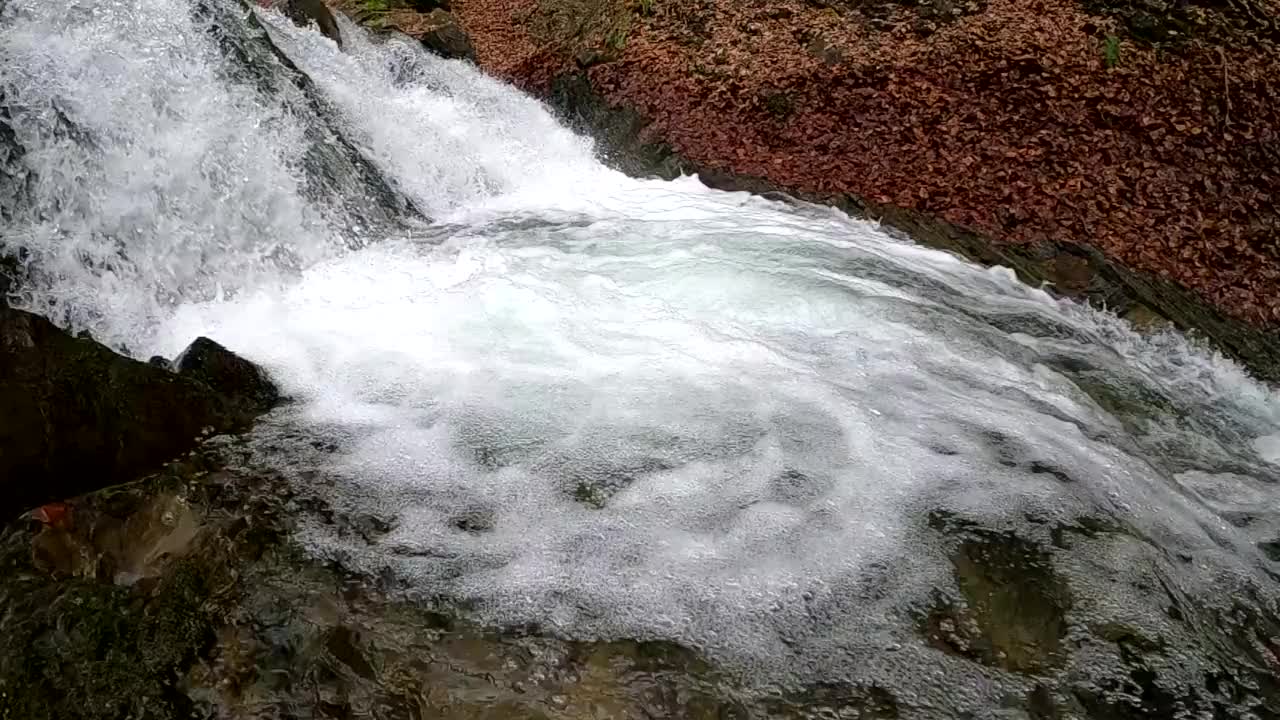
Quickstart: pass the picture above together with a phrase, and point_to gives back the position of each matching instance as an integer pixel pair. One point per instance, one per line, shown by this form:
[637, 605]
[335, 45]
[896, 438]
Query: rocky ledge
[75, 416]
[185, 595]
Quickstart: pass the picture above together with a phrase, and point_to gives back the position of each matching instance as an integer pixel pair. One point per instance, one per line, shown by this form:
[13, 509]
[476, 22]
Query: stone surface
[227, 373]
[442, 35]
[8, 277]
[75, 416]
[182, 596]
[429, 5]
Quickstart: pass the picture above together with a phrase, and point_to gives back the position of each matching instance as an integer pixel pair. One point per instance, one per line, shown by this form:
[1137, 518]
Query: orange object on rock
[55, 514]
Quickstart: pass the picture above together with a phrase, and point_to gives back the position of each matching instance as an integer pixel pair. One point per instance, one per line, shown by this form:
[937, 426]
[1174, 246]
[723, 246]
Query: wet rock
[1271, 549]
[8, 277]
[75, 416]
[442, 35]
[229, 374]
[343, 644]
[181, 596]
[427, 21]
[305, 12]
[838, 701]
[1064, 535]
[619, 130]
[1014, 610]
[476, 521]
[1145, 319]
[91, 643]
[429, 5]
[93, 543]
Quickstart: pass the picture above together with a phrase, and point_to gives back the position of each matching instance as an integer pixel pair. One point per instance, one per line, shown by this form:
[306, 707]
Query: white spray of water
[608, 406]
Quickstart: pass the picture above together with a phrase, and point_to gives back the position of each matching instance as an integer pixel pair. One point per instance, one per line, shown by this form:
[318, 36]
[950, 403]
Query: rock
[227, 373]
[427, 6]
[183, 595]
[305, 12]
[75, 416]
[8, 277]
[444, 37]
[1015, 605]
[1271, 549]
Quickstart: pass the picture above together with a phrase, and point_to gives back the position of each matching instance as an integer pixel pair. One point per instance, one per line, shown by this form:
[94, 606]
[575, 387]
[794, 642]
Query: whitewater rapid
[604, 406]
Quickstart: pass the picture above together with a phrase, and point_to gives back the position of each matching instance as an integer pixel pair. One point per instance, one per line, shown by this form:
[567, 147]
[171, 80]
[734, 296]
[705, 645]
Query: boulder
[235, 378]
[426, 6]
[442, 35]
[75, 416]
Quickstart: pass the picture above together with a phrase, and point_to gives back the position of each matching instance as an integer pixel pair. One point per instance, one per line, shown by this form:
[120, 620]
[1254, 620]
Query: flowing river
[618, 408]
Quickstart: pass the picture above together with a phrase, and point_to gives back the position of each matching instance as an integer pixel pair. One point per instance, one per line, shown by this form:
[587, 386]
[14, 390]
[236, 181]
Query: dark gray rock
[446, 38]
[230, 375]
[429, 5]
[8, 277]
[75, 416]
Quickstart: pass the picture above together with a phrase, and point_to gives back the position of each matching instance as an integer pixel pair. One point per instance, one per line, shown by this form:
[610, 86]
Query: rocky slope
[1081, 140]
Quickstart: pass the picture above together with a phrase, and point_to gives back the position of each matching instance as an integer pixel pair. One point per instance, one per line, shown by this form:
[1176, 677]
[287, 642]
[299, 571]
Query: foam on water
[614, 407]
[452, 137]
[155, 178]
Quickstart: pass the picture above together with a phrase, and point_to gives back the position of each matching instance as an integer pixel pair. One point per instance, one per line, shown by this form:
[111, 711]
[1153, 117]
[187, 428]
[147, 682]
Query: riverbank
[1123, 154]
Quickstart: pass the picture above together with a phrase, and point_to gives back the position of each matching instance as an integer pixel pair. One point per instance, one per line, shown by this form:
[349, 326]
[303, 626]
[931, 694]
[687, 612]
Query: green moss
[779, 104]
[616, 40]
[84, 649]
[577, 25]
[1111, 50]
[1177, 23]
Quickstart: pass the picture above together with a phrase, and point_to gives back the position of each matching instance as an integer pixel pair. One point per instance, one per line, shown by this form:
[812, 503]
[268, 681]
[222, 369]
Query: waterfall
[610, 407]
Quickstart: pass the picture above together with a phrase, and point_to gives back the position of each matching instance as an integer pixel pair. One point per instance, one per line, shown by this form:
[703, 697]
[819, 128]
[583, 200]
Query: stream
[621, 409]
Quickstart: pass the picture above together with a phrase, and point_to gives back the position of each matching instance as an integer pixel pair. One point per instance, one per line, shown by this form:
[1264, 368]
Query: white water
[766, 399]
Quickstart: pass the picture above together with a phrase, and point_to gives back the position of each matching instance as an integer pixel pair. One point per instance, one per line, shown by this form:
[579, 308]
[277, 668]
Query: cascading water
[610, 407]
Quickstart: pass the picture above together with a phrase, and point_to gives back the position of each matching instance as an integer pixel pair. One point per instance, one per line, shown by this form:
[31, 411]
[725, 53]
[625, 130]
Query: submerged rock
[179, 596]
[1014, 610]
[75, 416]
[183, 595]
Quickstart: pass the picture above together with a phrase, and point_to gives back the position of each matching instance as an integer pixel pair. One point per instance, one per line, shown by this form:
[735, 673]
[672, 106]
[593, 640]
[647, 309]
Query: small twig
[1226, 88]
